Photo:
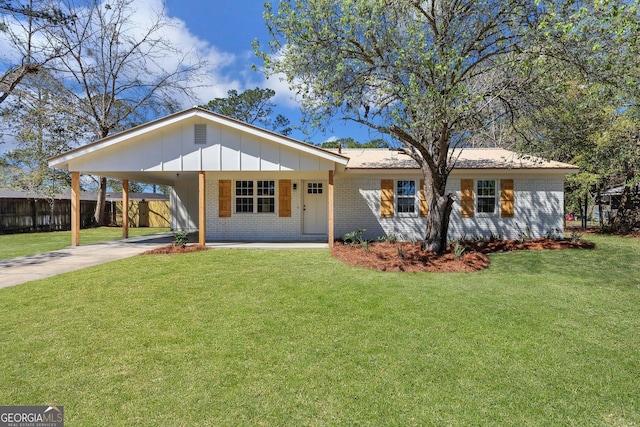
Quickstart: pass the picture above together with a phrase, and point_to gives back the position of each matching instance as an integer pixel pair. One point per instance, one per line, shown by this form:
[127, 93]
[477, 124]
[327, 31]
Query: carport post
[125, 208]
[75, 208]
[330, 216]
[202, 202]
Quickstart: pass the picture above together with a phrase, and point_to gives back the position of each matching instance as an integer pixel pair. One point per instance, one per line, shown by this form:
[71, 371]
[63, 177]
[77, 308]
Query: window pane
[244, 204]
[486, 205]
[486, 188]
[244, 188]
[314, 188]
[266, 205]
[405, 196]
[406, 188]
[266, 188]
[406, 205]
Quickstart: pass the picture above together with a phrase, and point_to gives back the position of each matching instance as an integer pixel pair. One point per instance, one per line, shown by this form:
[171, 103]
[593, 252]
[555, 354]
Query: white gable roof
[169, 145]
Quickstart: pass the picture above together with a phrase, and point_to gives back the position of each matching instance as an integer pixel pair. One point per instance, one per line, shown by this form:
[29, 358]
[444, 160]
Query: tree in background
[352, 143]
[24, 24]
[116, 70]
[35, 119]
[425, 73]
[253, 106]
[589, 113]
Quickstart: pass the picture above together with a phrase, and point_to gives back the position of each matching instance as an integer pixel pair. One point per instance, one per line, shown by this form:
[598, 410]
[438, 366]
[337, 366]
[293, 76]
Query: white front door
[315, 207]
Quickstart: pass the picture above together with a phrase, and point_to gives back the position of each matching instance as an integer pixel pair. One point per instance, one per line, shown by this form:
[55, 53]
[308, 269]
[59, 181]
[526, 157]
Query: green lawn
[15, 245]
[236, 337]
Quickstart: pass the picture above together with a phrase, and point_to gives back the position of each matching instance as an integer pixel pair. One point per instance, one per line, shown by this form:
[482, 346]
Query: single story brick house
[234, 181]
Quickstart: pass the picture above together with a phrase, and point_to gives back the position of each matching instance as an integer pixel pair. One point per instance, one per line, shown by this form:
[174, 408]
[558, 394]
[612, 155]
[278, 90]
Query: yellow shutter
[386, 198]
[506, 198]
[424, 206]
[224, 198]
[466, 198]
[284, 198]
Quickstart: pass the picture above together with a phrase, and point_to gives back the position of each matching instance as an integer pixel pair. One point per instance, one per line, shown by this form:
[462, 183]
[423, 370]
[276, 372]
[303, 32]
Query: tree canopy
[253, 106]
[24, 25]
[430, 74]
[590, 114]
[116, 72]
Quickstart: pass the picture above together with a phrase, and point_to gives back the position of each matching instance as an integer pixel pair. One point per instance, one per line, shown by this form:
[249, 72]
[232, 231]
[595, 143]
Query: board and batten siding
[538, 205]
[174, 148]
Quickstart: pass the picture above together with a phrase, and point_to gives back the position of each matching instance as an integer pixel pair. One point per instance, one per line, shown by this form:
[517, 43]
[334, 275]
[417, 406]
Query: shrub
[575, 237]
[458, 249]
[180, 238]
[354, 237]
[525, 235]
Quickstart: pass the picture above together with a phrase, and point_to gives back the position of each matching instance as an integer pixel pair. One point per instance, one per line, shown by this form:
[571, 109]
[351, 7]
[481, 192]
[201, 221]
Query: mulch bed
[176, 249]
[404, 256]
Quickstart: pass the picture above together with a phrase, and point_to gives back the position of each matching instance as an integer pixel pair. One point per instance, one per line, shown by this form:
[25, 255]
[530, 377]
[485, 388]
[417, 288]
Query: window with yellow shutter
[224, 198]
[284, 198]
[507, 198]
[386, 198]
[466, 198]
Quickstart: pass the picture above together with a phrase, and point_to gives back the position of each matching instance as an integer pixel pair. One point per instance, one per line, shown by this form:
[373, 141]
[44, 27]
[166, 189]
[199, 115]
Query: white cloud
[214, 80]
[223, 70]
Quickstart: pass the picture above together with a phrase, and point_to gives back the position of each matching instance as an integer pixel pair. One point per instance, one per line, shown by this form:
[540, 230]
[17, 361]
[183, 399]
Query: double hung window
[486, 194]
[255, 196]
[406, 196]
[266, 196]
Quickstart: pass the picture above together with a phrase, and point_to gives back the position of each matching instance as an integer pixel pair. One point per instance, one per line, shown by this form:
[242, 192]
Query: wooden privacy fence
[143, 213]
[28, 215]
[23, 215]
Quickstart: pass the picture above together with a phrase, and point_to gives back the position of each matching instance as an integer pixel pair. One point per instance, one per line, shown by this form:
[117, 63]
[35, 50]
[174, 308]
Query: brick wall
[256, 226]
[539, 206]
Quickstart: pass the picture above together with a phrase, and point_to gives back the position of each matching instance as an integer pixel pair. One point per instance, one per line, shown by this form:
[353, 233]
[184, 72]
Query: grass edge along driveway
[234, 337]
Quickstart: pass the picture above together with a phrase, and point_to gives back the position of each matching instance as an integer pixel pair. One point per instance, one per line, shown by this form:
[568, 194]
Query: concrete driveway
[20, 270]
[16, 271]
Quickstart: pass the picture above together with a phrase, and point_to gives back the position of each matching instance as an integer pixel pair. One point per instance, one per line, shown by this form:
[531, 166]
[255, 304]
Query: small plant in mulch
[178, 246]
[176, 249]
[458, 248]
[354, 237]
[180, 238]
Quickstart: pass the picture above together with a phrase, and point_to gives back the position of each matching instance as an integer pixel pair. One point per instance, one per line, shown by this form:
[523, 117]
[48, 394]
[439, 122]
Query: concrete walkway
[20, 270]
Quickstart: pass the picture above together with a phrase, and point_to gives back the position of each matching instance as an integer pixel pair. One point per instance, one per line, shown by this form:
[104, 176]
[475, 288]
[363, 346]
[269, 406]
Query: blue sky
[229, 27]
[222, 32]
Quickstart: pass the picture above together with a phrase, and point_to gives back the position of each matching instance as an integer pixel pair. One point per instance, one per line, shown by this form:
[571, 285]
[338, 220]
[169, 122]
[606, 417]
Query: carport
[227, 177]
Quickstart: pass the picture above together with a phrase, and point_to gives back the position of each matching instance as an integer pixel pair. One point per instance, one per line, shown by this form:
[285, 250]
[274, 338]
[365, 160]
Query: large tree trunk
[440, 205]
[438, 222]
[98, 215]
